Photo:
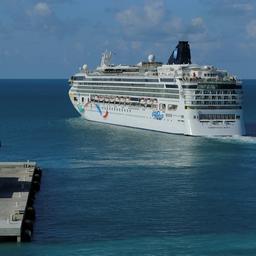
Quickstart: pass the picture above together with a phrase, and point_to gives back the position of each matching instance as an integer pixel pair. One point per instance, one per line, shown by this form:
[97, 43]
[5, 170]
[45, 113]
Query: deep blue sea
[108, 190]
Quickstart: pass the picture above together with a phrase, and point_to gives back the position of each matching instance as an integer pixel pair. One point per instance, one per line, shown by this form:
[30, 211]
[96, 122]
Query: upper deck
[188, 74]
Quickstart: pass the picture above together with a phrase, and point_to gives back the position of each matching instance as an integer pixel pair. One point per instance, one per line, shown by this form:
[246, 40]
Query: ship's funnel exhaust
[181, 54]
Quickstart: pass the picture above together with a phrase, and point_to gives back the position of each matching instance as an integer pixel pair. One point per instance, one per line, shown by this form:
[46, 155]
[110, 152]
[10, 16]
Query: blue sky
[52, 38]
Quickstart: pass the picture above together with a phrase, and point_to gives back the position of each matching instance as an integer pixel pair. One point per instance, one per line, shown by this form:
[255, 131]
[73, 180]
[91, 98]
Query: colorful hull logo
[157, 115]
[86, 105]
[80, 108]
[104, 115]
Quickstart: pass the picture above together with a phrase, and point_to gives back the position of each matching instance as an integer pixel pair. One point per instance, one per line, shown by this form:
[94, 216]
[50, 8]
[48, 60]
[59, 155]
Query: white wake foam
[238, 139]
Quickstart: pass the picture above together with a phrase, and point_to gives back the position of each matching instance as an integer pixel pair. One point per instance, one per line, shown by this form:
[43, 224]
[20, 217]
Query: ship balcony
[212, 80]
[214, 97]
[218, 117]
[212, 92]
[213, 104]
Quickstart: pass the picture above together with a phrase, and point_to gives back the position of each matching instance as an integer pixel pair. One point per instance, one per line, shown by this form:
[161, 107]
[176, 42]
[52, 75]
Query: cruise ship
[178, 97]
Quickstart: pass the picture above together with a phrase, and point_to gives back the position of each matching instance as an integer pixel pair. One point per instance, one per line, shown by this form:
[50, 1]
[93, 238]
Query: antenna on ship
[106, 59]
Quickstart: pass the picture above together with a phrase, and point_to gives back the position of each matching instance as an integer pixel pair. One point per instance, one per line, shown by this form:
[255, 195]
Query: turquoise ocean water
[109, 190]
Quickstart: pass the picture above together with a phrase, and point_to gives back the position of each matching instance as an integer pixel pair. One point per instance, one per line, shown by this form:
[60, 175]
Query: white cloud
[145, 23]
[42, 9]
[142, 18]
[42, 17]
[197, 22]
[251, 28]
[128, 17]
[197, 29]
[246, 7]
[154, 11]
[229, 8]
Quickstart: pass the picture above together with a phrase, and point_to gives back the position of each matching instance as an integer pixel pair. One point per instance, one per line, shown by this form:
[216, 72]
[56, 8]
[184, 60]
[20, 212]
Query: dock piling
[19, 182]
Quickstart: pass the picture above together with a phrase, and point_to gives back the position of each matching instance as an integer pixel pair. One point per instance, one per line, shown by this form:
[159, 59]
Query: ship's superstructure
[178, 97]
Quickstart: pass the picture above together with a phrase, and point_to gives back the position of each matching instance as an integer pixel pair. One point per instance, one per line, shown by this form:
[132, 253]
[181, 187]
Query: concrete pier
[19, 181]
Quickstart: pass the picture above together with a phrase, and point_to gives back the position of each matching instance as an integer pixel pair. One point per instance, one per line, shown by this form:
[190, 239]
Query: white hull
[182, 122]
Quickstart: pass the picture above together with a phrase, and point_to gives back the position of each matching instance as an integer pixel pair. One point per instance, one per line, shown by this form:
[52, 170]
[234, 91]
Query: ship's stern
[209, 123]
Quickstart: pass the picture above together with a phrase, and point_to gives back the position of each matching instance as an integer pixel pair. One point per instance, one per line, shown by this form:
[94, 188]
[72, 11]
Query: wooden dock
[19, 182]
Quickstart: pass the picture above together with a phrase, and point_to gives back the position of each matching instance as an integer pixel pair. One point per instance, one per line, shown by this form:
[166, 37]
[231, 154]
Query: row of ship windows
[218, 116]
[213, 107]
[116, 99]
[130, 103]
[210, 74]
[122, 93]
[213, 102]
[108, 108]
[162, 107]
[218, 92]
[129, 89]
[120, 70]
[131, 84]
[216, 97]
[212, 86]
[121, 84]
[83, 78]
[133, 101]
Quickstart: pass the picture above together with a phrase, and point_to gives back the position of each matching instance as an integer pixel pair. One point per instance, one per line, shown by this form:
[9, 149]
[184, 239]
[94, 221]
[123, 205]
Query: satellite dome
[84, 67]
[151, 58]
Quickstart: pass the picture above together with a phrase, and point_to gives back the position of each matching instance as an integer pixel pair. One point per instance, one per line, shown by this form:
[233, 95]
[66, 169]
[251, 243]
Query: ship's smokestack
[181, 54]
